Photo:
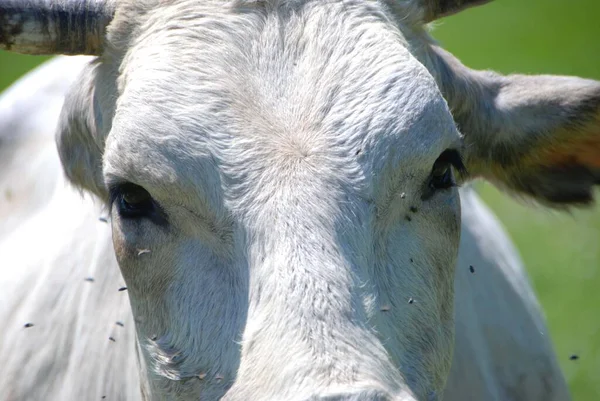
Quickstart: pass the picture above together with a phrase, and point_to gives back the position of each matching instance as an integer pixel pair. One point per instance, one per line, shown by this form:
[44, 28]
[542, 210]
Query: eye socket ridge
[441, 176]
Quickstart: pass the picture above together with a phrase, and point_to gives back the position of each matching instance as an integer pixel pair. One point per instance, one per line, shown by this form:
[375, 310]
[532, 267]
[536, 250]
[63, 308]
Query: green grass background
[561, 251]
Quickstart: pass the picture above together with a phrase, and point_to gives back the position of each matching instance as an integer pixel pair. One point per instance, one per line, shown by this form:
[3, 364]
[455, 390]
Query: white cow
[284, 212]
[68, 353]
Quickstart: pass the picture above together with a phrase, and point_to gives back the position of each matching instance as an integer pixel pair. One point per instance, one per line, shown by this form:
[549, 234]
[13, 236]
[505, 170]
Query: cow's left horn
[54, 26]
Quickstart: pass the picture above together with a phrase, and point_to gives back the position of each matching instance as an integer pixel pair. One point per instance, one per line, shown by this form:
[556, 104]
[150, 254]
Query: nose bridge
[307, 330]
[298, 265]
[362, 396]
[302, 260]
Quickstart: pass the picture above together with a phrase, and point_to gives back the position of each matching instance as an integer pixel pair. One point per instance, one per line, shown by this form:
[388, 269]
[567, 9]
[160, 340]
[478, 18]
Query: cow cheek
[141, 261]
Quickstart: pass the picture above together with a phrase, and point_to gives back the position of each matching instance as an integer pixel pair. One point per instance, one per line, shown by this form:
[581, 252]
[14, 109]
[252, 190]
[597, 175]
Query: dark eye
[441, 173]
[441, 176]
[132, 201]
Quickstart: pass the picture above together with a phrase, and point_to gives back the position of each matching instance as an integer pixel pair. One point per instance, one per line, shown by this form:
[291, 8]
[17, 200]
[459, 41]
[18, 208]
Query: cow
[281, 179]
[71, 298]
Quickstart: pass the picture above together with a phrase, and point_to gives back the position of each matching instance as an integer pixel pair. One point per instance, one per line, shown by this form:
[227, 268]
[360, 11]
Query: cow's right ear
[81, 133]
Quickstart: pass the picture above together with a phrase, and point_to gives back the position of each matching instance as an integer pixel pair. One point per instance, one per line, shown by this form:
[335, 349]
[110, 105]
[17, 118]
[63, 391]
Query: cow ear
[537, 136]
[435, 9]
[80, 134]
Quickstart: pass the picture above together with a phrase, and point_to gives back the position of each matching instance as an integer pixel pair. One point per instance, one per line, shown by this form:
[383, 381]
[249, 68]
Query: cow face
[283, 203]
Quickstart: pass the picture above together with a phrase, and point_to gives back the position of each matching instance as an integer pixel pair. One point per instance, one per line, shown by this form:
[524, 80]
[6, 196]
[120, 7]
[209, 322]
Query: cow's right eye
[132, 201]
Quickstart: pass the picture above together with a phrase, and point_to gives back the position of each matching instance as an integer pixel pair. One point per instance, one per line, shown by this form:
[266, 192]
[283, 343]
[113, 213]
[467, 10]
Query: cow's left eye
[441, 174]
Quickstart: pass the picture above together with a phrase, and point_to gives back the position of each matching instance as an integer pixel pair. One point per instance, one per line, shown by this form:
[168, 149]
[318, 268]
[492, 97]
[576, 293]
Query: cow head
[281, 177]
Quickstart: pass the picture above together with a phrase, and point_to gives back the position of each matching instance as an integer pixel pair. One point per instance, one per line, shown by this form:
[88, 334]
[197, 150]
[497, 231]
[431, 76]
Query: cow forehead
[274, 87]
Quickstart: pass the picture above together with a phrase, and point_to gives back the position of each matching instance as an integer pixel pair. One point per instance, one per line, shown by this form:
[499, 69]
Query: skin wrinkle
[252, 121]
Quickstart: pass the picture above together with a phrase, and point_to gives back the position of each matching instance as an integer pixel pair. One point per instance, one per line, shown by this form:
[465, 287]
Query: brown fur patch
[569, 148]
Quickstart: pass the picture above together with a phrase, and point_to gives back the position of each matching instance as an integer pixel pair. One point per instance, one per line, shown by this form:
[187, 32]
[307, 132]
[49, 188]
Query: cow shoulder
[502, 348]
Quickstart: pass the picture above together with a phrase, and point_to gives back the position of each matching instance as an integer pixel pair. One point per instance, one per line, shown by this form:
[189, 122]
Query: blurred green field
[561, 251]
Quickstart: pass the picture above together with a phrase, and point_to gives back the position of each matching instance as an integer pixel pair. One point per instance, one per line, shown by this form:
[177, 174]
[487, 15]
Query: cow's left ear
[434, 9]
[537, 136]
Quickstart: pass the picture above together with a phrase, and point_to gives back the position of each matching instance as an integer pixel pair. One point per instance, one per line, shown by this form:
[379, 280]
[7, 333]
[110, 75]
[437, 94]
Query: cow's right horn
[54, 26]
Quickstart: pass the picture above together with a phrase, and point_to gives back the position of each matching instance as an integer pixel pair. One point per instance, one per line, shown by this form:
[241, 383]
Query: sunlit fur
[284, 243]
[290, 146]
[303, 273]
[67, 354]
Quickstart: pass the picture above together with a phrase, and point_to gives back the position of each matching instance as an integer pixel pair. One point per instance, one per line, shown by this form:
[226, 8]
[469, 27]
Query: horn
[54, 26]
[435, 9]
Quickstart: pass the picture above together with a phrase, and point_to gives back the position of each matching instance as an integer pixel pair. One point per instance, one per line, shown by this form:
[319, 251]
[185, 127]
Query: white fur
[290, 147]
[98, 365]
[255, 164]
[88, 311]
